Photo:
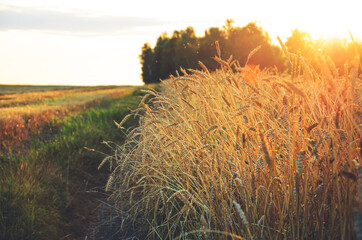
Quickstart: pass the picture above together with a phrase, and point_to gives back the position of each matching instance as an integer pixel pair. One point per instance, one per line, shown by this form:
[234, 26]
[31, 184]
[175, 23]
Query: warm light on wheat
[244, 152]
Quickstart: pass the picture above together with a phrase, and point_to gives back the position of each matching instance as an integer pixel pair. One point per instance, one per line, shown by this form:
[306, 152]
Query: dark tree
[147, 61]
[318, 53]
[207, 48]
[241, 41]
[184, 49]
[299, 41]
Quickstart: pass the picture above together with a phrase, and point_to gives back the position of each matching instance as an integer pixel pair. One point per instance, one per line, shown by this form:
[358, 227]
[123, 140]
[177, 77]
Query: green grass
[43, 193]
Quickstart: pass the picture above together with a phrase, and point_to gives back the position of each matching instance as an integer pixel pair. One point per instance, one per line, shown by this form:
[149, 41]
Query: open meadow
[49, 183]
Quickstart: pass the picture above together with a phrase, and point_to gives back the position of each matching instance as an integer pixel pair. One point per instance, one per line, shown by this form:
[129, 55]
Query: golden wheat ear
[252, 53]
[284, 50]
[218, 49]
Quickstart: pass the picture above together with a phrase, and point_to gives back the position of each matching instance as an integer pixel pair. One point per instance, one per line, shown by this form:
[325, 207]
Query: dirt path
[85, 211]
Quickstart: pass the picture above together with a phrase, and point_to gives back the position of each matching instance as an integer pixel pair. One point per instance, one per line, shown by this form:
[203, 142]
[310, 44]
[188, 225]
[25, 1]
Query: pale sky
[97, 42]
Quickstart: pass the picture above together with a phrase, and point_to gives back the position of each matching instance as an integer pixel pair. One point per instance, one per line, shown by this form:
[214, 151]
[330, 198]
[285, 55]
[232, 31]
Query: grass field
[244, 154]
[49, 182]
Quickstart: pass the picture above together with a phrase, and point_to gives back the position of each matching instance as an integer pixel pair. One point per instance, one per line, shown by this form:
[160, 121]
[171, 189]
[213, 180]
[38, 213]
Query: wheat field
[24, 110]
[244, 154]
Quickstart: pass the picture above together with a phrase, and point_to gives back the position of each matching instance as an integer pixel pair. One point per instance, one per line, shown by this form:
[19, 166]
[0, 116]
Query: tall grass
[241, 155]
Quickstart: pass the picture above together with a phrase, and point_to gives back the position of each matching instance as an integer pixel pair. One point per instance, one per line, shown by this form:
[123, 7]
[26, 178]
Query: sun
[321, 19]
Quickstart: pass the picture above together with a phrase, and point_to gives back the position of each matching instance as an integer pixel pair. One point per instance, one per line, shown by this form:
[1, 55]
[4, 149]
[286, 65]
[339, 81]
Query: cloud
[15, 18]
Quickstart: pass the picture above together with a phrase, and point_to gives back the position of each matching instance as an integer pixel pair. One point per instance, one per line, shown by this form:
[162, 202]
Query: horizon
[90, 43]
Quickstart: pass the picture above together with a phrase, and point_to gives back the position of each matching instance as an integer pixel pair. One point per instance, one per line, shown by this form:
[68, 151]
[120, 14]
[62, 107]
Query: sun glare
[67, 22]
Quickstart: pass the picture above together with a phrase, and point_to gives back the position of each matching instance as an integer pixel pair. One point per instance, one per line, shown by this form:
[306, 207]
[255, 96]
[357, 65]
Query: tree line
[333, 51]
[184, 49]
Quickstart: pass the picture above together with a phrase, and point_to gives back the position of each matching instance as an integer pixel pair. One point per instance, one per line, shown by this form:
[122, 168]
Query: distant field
[31, 88]
[24, 109]
[14, 95]
[34, 88]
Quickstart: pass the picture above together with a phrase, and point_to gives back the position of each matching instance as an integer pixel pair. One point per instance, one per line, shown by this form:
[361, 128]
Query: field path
[69, 172]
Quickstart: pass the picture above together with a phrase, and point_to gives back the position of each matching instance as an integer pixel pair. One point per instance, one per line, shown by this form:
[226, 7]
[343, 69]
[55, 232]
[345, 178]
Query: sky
[97, 42]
